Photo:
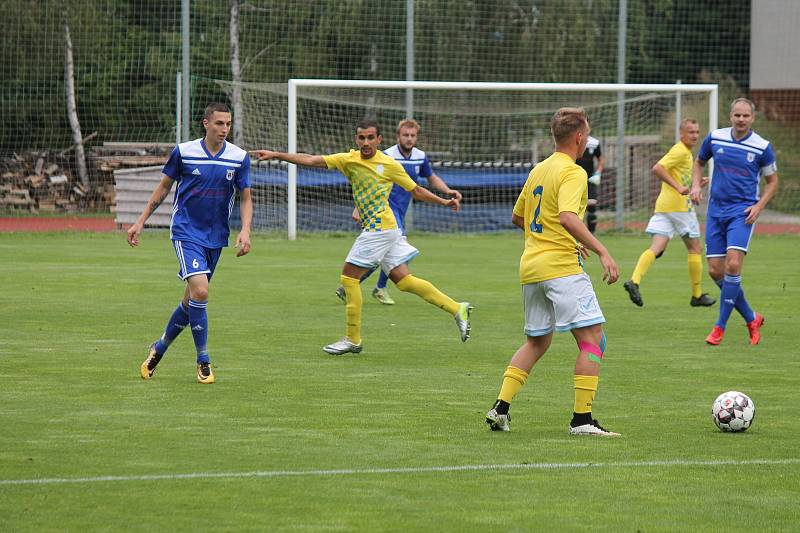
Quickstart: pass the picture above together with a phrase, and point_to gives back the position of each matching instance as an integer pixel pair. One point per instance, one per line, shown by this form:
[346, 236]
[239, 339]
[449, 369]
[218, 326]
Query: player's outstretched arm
[424, 195]
[246, 210]
[440, 185]
[306, 160]
[578, 229]
[161, 191]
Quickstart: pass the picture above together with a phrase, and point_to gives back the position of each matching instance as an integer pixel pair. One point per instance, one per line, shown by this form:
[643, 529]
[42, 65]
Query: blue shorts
[726, 233]
[194, 259]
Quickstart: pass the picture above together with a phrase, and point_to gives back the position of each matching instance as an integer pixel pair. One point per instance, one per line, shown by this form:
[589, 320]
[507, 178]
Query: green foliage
[82, 309]
[127, 53]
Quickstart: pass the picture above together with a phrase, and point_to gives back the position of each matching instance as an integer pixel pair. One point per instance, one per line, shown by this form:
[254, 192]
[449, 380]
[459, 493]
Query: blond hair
[408, 123]
[685, 122]
[566, 121]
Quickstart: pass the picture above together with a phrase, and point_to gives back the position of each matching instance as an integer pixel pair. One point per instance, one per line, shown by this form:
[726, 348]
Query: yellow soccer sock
[429, 293]
[585, 389]
[513, 380]
[644, 263]
[695, 272]
[352, 308]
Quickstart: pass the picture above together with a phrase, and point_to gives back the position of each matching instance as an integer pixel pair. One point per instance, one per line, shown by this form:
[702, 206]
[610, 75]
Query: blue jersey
[206, 190]
[416, 166]
[738, 166]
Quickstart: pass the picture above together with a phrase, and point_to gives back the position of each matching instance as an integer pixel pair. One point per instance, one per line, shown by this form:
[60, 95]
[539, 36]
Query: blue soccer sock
[741, 305]
[199, 324]
[367, 274]
[382, 280]
[178, 321]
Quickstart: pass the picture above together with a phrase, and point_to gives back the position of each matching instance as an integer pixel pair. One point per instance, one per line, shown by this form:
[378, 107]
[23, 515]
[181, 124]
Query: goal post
[574, 93]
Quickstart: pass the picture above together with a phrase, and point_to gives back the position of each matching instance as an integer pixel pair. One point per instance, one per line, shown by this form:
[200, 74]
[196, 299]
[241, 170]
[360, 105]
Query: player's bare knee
[199, 294]
[733, 267]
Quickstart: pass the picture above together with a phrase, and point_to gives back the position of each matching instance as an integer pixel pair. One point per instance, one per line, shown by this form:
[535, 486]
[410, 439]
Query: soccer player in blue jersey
[741, 157]
[417, 165]
[372, 175]
[208, 171]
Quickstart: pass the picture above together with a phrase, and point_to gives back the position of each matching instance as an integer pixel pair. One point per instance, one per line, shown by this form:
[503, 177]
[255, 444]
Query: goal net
[482, 139]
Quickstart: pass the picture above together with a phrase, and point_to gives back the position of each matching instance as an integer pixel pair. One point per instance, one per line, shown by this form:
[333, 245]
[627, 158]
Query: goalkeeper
[372, 174]
[417, 165]
[674, 213]
[587, 161]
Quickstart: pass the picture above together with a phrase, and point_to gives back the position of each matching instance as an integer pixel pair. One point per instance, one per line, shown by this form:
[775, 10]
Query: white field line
[409, 470]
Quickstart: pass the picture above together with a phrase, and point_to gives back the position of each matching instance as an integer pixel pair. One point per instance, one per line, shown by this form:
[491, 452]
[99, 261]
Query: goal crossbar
[293, 84]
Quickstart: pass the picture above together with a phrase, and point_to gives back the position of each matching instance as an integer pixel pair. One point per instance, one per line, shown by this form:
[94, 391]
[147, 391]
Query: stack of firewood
[43, 182]
[39, 182]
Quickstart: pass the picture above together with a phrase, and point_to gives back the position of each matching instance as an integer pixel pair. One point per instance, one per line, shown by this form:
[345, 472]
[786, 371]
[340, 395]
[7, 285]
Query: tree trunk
[236, 97]
[72, 108]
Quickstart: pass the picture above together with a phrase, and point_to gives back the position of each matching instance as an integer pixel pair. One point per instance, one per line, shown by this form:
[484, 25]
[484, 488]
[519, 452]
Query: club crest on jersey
[229, 174]
[379, 169]
[751, 157]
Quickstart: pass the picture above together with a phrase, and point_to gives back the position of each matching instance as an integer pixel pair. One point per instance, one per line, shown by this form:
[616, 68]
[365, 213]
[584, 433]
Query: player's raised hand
[243, 243]
[133, 234]
[264, 155]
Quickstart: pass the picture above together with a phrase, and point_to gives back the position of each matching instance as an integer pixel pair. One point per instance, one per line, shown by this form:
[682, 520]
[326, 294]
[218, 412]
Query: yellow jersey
[371, 181]
[678, 164]
[556, 184]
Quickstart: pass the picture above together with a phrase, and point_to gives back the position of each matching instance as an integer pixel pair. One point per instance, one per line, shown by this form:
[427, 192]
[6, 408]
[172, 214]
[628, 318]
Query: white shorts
[388, 249]
[668, 224]
[560, 304]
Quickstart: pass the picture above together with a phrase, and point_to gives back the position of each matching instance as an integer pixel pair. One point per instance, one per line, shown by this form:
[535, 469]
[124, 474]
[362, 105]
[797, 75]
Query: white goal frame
[620, 88]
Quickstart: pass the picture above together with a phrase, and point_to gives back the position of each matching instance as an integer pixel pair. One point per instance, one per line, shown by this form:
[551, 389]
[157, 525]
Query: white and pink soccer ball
[733, 411]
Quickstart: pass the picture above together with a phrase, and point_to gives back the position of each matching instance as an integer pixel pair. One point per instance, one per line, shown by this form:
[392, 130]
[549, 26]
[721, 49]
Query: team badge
[751, 157]
[379, 169]
[229, 174]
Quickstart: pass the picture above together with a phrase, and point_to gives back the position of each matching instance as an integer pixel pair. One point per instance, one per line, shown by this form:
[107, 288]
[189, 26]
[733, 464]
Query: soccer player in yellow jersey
[372, 174]
[674, 213]
[557, 293]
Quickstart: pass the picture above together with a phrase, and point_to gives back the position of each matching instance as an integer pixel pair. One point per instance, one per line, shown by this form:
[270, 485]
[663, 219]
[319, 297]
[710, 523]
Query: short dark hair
[567, 121]
[367, 124]
[215, 107]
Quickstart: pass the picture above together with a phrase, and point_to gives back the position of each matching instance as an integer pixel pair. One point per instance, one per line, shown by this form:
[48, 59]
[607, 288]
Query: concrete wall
[133, 188]
[774, 44]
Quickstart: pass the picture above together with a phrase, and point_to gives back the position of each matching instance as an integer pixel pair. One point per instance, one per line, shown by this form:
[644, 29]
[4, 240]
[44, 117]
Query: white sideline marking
[409, 470]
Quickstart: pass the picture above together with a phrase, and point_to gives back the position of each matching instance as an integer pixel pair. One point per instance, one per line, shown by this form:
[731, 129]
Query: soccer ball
[733, 411]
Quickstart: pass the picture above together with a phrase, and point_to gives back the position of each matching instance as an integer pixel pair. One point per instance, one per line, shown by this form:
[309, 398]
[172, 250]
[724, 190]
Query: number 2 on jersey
[535, 226]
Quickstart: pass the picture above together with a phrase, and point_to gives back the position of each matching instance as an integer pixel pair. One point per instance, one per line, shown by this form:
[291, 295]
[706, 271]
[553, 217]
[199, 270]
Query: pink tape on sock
[591, 348]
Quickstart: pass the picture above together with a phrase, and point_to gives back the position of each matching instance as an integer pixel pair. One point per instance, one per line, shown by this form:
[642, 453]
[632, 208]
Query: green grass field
[393, 439]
